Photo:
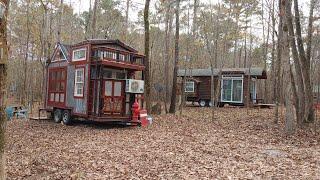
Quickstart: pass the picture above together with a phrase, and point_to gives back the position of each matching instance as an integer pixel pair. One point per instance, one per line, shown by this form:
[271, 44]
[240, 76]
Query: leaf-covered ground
[192, 146]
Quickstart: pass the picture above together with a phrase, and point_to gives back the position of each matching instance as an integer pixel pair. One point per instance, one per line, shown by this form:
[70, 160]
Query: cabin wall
[203, 88]
[78, 105]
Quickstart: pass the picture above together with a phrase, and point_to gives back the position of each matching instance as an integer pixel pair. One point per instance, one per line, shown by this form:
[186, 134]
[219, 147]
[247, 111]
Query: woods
[79, 59]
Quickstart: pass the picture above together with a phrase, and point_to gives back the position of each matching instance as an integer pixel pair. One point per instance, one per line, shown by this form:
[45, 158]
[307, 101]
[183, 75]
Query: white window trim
[231, 78]
[76, 82]
[77, 50]
[185, 88]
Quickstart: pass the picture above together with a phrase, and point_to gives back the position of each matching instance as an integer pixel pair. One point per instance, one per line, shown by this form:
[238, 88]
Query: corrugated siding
[79, 105]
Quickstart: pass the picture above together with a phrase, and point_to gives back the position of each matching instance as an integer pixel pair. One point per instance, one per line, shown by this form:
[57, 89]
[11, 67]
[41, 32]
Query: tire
[202, 103]
[66, 117]
[57, 115]
[209, 103]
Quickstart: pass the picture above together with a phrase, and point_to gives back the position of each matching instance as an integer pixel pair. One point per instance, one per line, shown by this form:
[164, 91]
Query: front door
[113, 97]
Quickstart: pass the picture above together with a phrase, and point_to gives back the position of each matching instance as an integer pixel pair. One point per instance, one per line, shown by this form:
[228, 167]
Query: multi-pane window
[189, 87]
[79, 54]
[57, 85]
[108, 55]
[122, 57]
[79, 82]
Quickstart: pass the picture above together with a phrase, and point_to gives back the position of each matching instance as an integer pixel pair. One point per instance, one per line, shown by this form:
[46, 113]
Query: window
[79, 54]
[79, 82]
[232, 89]
[189, 87]
[57, 84]
[122, 57]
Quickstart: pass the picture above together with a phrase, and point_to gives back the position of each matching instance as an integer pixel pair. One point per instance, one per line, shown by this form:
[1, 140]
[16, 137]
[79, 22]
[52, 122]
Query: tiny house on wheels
[97, 79]
[231, 85]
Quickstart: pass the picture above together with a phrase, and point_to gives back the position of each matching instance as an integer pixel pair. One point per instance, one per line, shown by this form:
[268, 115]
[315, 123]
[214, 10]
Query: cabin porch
[108, 98]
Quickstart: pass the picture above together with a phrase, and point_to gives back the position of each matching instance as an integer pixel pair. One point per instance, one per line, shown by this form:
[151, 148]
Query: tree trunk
[59, 21]
[127, 20]
[166, 53]
[24, 97]
[278, 65]
[298, 67]
[309, 112]
[3, 80]
[176, 59]
[290, 88]
[147, 55]
[94, 20]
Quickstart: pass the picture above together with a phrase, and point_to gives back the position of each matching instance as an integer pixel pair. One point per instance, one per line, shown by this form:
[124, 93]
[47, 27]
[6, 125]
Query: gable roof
[259, 72]
[65, 49]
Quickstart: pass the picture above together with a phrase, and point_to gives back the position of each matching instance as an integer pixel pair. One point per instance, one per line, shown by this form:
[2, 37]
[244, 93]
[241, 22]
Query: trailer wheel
[66, 117]
[209, 103]
[57, 115]
[202, 103]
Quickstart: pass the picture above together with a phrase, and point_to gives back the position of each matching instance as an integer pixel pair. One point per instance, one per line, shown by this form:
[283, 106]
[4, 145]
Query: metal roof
[107, 41]
[207, 72]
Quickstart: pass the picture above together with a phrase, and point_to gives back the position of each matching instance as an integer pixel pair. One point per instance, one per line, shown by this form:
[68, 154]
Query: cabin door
[113, 97]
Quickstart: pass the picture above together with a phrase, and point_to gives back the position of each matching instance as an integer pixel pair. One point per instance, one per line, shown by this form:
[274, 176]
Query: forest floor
[192, 146]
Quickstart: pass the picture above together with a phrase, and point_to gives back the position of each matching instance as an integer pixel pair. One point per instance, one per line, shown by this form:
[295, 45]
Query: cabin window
[79, 54]
[120, 75]
[109, 55]
[122, 57]
[107, 74]
[79, 82]
[57, 84]
[189, 87]
[232, 89]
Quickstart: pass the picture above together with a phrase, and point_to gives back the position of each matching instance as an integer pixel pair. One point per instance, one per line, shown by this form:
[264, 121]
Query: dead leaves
[235, 145]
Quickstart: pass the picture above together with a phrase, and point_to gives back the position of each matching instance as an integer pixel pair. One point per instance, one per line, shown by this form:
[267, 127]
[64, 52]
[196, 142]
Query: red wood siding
[57, 86]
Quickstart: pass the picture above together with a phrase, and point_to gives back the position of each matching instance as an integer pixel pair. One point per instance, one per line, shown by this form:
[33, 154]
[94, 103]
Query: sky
[138, 5]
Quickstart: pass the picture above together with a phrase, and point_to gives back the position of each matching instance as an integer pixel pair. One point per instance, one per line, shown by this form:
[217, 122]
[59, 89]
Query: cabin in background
[96, 79]
[230, 85]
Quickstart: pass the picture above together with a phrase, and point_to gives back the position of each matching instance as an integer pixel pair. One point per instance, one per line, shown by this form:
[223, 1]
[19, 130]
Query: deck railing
[102, 54]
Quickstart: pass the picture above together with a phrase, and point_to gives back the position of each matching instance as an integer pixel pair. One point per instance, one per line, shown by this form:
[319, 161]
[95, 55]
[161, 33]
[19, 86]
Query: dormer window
[79, 54]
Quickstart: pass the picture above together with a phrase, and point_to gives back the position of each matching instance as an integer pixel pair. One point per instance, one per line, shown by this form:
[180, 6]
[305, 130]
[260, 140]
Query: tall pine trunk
[3, 80]
[94, 20]
[176, 59]
[147, 54]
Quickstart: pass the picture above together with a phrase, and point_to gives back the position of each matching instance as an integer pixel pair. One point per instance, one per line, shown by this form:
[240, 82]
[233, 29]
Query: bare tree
[59, 21]
[3, 80]
[147, 54]
[94, 20]
[278, 65]
[176, 59]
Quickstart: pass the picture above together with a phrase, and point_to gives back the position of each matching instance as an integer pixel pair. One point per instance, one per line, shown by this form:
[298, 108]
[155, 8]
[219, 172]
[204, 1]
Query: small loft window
[79, 54]
[189, 87]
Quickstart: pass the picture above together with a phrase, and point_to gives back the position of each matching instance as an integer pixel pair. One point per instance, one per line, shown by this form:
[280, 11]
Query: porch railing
[117, 55]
